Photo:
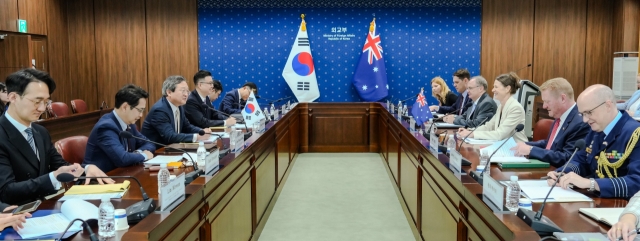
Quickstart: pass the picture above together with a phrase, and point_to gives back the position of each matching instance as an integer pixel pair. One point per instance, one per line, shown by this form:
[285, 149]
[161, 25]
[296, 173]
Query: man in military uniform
[610, 164]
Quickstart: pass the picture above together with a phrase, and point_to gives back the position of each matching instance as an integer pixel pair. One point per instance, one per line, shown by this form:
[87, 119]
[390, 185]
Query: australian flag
[370, 78]
[420, 110]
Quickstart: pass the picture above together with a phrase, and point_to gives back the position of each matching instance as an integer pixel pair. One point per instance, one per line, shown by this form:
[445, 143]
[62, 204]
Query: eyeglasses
[207, 83]
[590, 112]
[184, 91]
[470, 88]
[141, 110]
[38, 102]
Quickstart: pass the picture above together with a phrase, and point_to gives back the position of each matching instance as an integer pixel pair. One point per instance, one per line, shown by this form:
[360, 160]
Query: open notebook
[536, 190]
[57, 222]
[504, 154]
[608, 216]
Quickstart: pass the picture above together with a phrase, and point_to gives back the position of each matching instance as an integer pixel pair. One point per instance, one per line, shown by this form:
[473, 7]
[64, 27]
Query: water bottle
[266, 114]
[513, 194]
[163, 176]
[451, 145]
[484, 163]
[106, 221]
[202, 154]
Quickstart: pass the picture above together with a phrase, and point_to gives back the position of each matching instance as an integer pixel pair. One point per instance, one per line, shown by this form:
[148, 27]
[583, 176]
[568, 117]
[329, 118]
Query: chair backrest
[72, 148]
[60, 109]
[542, 129]
[78, 106]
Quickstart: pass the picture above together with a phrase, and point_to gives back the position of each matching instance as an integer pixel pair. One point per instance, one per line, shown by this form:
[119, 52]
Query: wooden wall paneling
[172, 42]
[120, 44]
[9, 15]
[35, 12]
[599, 58]
[82, 53]
[626, 25]
[58, 50]
[507, 38]
[39, 51]
[559, 41]
[14, 54]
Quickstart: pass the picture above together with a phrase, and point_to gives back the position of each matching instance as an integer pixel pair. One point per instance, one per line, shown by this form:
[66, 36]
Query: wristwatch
[593, 185]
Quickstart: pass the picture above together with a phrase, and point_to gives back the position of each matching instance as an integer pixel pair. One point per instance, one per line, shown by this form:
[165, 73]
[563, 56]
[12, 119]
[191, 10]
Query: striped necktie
[32, 143]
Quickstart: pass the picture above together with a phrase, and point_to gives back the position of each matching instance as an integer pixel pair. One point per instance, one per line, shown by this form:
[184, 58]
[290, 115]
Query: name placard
[455, 162]
[212, 165]
[236, 141]
[433, 141]
[493, 190]
[172, 194]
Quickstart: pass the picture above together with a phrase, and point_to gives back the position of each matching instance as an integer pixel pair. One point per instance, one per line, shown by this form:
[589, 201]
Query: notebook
[533, 163]
[95, 189]
[57, 222]
[536, 191]
[608, 216]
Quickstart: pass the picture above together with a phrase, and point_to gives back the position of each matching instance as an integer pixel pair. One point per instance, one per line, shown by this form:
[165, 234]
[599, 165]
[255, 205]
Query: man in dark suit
[610, 165]
[460, 81]
[29, 163]
[557, 98]
[105, 148]
[166, 122]
[483, 107]
[198, 107]
[234, 100]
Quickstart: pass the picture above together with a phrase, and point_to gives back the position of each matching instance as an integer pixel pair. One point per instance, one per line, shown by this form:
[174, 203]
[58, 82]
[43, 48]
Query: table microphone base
[544, 226]
[476, 176]
[189, 177]
[139, 210]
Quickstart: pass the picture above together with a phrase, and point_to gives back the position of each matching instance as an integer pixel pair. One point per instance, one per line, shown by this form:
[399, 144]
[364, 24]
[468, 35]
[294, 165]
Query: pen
[633, 231]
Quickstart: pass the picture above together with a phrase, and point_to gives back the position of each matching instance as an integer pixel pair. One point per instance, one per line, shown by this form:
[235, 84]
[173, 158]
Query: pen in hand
[633, 231]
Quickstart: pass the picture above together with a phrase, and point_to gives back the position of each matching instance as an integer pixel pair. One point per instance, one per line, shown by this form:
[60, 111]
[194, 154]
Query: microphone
[135, 212]
[474, 129]
[246, 134]
[92, 235]
[478, 177]
[402, 101]
[273, 101]
[543, 225]
[528, 65]
[188, 177]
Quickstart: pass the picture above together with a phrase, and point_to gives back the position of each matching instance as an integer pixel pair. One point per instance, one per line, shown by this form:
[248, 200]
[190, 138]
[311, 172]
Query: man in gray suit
[483, 107]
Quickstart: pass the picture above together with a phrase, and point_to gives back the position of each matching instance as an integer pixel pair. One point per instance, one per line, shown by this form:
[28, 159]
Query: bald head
[597, 104]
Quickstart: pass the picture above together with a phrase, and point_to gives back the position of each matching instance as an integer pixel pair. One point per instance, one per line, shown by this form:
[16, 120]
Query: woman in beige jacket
[510, 112]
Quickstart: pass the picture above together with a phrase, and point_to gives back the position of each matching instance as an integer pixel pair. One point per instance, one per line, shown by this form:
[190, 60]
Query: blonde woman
[441, 91]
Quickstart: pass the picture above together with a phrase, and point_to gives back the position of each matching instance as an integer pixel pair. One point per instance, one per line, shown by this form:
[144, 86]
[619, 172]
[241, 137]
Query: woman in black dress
[441, 91]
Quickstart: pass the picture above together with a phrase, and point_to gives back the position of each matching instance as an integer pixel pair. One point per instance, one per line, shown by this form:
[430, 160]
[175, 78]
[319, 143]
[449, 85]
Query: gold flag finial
[303, 26]
[371, 26]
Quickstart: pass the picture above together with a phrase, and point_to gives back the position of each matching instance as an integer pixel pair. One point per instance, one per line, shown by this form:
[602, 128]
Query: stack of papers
[473, 141]
[504, 154]
[536, 190]
[447, 125]
[160, 159]
[56, 223]
[607, 216]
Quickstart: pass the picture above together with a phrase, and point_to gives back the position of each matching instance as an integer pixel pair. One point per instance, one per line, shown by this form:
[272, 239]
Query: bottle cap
[106, 199]
[514, 178]
[163, 165]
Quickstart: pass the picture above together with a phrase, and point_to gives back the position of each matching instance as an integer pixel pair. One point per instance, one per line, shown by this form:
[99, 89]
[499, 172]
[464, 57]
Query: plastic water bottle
[106, 221]
[513, 194]
[266, 113]
[163, 176]
[451, 145]
[484, 163]
[202, 155]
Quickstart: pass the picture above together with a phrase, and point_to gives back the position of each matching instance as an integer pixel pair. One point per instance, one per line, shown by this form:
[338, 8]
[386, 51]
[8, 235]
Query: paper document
[212, 138]
[607, 216]
[240, 126]
[447, 125]
[504, 154]
[95, 189]
[56, 223]
[97, 196]
[473, 141]
[159, 159]
[536, 190]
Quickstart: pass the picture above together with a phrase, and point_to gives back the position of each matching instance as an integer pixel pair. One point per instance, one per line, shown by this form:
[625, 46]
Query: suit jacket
[159, 125]
[199, 114]
[563, 145]
[450, 99]
[485, 109]
[108, 151]
[231, 103]
[503, 123]
[584, 163]
[456, 105]
[24, 178]
[627, 104]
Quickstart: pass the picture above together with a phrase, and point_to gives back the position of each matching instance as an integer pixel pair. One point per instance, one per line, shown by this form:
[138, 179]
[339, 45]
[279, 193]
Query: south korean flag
[251, 111]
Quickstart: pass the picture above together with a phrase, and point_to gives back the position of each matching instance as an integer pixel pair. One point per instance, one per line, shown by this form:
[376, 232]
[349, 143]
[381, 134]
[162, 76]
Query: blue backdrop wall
[252, 44]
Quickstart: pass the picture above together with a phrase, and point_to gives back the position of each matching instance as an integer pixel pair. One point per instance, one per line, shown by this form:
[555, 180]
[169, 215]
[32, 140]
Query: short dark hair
[18, 81]
[131, 94]
[201, 74]
[252, 86]
[510, 79]
[217, 85]
[462, 74]
[3, 87]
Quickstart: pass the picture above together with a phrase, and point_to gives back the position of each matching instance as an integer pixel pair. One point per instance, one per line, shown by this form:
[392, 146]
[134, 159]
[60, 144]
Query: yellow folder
[96, 189]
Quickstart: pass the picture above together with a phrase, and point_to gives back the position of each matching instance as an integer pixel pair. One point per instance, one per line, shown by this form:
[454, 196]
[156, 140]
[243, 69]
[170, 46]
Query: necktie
[461, 105]
[128, 144]
[176, 119]
[32, 143]
[552, 137]
[473, 108]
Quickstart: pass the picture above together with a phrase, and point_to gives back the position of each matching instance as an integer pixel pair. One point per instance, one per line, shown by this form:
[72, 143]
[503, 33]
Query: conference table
[235, 202]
